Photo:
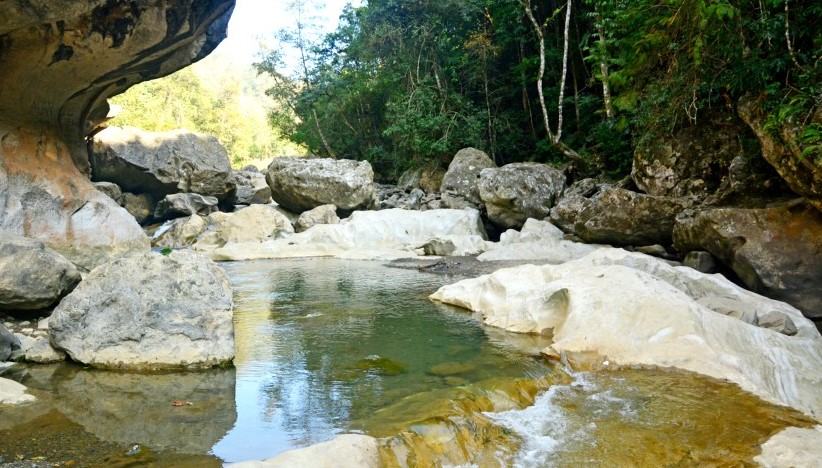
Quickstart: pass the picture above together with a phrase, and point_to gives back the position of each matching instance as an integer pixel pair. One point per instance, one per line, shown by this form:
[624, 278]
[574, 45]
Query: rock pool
[330, 346]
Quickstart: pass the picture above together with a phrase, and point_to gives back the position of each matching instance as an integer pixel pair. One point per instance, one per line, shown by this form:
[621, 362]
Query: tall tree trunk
[564, 71]
[322, 136]
[541, 39]
[603, 67]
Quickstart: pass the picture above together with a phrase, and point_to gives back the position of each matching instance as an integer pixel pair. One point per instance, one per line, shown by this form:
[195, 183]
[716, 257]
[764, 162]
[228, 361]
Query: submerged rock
[632, 309]
[32, 276]
[147, 312]
[302, 184]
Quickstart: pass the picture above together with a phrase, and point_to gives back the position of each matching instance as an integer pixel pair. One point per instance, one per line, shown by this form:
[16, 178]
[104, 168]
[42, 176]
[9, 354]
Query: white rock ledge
[793, 447]
[344, 451]
[633, 309]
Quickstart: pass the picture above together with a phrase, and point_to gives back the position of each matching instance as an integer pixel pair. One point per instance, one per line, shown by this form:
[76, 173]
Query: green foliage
[228, 107]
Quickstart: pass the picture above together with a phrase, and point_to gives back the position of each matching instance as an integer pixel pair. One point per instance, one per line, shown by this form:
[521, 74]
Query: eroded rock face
[460, 188]
[63, 59]
[32, 276]
[252, 188]
[518, 191]
[702, 159]
[162, 164]
[776, 251]
[632, 309]
[803, 174]
[302, 184]
[147, 312]
[184, 204]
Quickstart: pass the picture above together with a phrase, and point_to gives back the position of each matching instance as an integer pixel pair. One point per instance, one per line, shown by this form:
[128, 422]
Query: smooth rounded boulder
[148, 312]
[300, 184]
[515, 192]
[32, 276]
[162, 163]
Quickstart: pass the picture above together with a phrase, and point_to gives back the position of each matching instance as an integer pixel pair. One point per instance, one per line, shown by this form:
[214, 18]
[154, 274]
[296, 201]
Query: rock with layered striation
[632, 309]
[184, 204]
[782, 149]
[460, 184]
[148, 312]
[518, 191]
[300, 184]
[63, 59]
[620, 217]
[252, 189]
[775, 251]
[162, 163]
[32, 276]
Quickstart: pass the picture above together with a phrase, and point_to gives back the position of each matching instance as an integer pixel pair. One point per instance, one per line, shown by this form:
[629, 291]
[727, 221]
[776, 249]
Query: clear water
[330, 346]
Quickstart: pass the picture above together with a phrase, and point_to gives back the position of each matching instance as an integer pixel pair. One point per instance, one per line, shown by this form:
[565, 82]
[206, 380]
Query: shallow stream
[331, 346]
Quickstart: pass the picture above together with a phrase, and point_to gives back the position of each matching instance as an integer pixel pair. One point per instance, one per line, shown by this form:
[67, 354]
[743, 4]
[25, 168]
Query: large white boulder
[13, 393]
[148, 312]
[632, 309]
[384, 234]
[300, 184]
[343, 451]
[537, 241]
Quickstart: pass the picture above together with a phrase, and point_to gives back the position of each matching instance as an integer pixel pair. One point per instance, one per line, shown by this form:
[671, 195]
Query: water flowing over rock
[302, 184]
[775, 251]
[325, 214]
[63, 59]
[184, 204]
[256, 223]
[252, 189]
[384, 234]
[150, 311]
[162, 164]
[632, 309]
[802, 173]
[32, 276]
[518, 191]
[460, 184]
[620, 217]
[343, 451]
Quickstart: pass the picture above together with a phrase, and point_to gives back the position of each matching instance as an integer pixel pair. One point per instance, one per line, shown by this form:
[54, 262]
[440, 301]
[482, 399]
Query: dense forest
[405, 83]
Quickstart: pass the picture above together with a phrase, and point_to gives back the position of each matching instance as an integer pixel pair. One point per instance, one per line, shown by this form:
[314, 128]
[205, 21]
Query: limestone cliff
[59, 62]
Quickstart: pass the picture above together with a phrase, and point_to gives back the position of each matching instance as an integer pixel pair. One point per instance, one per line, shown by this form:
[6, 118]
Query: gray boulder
[180, 232]
[140, 206]
[325, 214]
[177, 205]
[32, 276]
[620, 217]
[148, 312]
[775, 251]
[162, 163]
[252, 188]
[518, 191]
[111, 189]
[302, 184]
[8, 343]
[460, 182]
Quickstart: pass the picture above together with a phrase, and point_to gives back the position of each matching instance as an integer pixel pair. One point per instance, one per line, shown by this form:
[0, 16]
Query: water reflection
[323, 344]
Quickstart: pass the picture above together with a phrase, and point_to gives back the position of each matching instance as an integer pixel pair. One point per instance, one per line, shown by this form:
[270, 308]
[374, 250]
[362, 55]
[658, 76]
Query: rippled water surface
[330, 346]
